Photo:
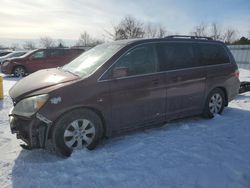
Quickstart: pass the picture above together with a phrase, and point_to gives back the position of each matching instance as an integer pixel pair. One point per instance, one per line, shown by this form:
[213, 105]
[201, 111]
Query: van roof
[168, 38]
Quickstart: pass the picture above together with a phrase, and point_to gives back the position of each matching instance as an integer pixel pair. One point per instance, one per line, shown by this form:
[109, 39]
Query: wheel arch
[17, 65]
[225, 94]
[206, 109]
[224, 91]
[98, 112]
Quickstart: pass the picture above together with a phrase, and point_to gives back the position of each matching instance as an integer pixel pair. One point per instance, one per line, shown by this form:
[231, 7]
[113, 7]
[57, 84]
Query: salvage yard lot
[191, 152]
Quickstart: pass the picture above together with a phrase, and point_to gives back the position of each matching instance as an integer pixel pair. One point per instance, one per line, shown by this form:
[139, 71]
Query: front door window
[139, 61]
[39, 55]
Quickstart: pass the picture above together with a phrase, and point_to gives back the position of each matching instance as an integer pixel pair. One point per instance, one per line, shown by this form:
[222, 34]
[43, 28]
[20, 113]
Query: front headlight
[27, 107]
[5, 63]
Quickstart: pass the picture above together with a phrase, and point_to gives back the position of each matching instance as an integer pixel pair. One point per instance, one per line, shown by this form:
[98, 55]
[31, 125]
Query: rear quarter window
[212, 54]
[74, 52]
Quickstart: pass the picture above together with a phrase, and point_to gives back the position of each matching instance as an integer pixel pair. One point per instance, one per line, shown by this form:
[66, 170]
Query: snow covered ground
[192, 152]
[244, 75]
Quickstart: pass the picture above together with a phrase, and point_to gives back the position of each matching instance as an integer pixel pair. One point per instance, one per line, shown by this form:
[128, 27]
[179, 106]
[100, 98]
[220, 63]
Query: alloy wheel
[79, 133]
[19, 72]
[215, 103]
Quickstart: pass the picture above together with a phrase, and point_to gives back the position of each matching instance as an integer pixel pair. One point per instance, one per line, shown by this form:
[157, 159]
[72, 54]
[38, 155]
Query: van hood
[40, 80]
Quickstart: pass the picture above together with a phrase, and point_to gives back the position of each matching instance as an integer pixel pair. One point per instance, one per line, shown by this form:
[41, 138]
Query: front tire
[19, 71]
[75, 130]
[215, 103]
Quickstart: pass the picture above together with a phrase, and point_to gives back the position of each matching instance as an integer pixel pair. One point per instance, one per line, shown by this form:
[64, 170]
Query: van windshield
[89, 61]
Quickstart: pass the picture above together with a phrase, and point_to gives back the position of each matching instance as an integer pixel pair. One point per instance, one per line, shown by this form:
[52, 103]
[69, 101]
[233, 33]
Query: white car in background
[11, 55]
[4, 52]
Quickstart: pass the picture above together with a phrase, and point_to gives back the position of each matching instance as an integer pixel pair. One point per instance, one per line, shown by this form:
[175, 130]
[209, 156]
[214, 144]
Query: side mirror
[119, 72]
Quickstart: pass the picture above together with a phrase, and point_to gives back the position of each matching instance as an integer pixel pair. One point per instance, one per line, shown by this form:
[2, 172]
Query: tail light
[236, 73]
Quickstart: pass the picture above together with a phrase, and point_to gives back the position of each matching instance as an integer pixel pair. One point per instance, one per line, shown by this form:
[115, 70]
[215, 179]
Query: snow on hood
[40, 80]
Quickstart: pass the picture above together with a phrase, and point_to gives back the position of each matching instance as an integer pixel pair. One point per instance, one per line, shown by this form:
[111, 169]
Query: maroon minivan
[39, 59]
[120, 86]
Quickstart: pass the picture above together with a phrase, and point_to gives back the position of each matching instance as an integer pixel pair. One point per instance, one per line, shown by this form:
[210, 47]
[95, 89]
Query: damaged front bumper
[33, 131]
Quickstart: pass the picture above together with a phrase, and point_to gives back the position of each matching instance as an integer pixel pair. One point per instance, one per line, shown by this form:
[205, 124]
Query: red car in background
[39, 59]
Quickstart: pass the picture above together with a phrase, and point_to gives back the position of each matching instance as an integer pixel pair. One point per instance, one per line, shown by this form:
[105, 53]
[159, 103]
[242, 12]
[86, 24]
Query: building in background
[241, 54]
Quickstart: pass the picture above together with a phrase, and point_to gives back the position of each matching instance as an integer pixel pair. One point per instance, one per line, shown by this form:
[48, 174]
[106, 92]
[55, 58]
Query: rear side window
[174, 56]
[18, 54]
[76, 51]
[56, 52]
[212, 54]
[140, 60]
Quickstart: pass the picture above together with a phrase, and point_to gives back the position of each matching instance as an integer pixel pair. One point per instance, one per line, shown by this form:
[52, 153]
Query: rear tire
[75, 130]
[215, 103]
[19, 71]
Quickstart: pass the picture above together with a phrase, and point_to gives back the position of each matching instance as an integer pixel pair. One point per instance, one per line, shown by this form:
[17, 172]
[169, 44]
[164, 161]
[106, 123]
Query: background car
[11, 55]
[4, 52]
[39, 59]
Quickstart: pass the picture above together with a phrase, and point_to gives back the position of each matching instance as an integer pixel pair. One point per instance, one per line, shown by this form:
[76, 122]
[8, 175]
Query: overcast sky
[66, 19]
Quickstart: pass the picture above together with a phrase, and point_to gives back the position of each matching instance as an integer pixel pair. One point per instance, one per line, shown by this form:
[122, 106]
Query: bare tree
[47, 42]
[229, 35]
[29, 45]
[162, 32]
[200, 30]
[86, 40]
[152, 31]
[215, 31]
[60, 43]
[128, 28]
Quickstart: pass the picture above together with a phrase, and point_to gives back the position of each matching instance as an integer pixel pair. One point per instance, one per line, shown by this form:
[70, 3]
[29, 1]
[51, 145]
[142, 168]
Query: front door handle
[178, 78]
[155, 81]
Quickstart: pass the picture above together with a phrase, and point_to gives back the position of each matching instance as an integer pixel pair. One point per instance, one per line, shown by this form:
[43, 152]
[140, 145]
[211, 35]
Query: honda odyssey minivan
[121, 86]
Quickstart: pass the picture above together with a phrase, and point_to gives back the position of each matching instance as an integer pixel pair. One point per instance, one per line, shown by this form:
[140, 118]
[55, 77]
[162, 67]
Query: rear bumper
[32, 131]
[233, 89]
